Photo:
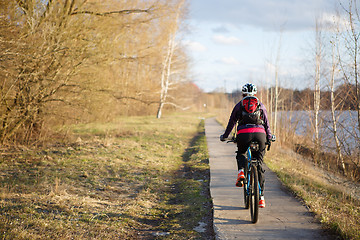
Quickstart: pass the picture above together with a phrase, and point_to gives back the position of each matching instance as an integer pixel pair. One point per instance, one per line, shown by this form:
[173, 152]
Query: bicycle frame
[252, 189]
[250, 161]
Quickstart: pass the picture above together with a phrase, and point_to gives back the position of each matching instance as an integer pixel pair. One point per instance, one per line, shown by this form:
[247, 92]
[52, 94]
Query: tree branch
[136, 99]
[22, 4]
[129, 11]
[177, 106]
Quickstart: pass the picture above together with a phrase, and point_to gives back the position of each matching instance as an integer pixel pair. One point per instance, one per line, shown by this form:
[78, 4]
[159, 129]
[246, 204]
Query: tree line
[71, 61]
[302, 100]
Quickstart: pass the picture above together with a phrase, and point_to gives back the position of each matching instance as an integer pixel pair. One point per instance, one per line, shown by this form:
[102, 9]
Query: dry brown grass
[122, 180]
[330, 197]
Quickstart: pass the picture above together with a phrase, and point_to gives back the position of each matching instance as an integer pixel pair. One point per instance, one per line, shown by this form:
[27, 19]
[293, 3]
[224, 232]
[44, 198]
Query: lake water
[303, 121]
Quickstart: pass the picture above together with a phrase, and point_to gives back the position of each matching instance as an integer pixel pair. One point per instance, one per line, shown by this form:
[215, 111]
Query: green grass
[138, 177]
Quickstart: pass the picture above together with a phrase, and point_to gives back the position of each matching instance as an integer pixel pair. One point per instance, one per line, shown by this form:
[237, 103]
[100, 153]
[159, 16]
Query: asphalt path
[284, 216]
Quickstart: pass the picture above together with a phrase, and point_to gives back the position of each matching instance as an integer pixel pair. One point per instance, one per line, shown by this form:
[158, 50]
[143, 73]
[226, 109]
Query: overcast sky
[232, 42]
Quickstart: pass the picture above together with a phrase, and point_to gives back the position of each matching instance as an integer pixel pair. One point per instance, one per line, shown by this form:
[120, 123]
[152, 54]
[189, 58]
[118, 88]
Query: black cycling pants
[243, 140]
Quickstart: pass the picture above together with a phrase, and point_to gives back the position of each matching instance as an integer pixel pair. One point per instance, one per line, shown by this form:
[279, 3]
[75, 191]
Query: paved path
[283, 218]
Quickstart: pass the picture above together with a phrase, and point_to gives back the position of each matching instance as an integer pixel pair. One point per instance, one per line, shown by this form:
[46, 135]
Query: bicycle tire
[254, 194]
[246, 192]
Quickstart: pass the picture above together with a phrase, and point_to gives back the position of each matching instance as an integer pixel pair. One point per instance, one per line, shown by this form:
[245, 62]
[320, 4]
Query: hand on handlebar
[269, 141]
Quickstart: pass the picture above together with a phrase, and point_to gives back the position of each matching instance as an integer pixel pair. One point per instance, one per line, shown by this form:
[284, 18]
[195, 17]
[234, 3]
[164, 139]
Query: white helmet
[249, 89]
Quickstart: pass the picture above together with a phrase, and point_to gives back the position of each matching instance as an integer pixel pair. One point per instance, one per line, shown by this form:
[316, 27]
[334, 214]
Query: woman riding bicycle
[253, 125]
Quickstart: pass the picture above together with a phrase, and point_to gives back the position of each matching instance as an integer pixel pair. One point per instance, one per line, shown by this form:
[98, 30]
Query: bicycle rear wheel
[254, 194]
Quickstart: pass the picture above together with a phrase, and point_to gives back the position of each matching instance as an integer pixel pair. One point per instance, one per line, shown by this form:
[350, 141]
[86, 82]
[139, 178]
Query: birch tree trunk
[340, 159]
[276, 93]
[318, 49]
[276, 98]
[165, 75]
[166, 71]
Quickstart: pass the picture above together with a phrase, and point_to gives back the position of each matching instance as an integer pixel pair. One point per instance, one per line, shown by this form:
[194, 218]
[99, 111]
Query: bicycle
[252, 189]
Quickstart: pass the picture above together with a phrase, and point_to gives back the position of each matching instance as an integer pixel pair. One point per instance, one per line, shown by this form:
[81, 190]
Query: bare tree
[274, 91]
[84, 60]
[167, 62]
[352, 44]
[350, 68]
[334, 105]
[52, 43]
[318, 56]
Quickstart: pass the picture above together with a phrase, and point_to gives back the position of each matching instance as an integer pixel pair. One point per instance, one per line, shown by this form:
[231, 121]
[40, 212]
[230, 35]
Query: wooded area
[73, 61]
[300, 100]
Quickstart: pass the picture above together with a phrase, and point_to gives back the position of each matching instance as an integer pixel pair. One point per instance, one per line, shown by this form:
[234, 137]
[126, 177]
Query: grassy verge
[137, 178]
[333, 208]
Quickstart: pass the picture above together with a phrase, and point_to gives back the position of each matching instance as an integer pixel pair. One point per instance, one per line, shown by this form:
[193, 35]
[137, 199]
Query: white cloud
[266, 14]
[221, 29]
[227, 40]
[230, 61]
[334, 21]
[195, 46]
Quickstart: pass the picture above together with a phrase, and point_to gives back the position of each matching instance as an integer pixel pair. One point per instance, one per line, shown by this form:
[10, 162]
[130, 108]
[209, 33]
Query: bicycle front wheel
[254, 194]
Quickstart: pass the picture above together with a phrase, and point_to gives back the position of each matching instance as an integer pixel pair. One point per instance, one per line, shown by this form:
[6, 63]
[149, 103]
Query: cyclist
[249, 130]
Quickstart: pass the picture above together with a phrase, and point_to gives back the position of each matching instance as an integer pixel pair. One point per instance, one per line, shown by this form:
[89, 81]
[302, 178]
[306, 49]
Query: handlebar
[268, 143]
